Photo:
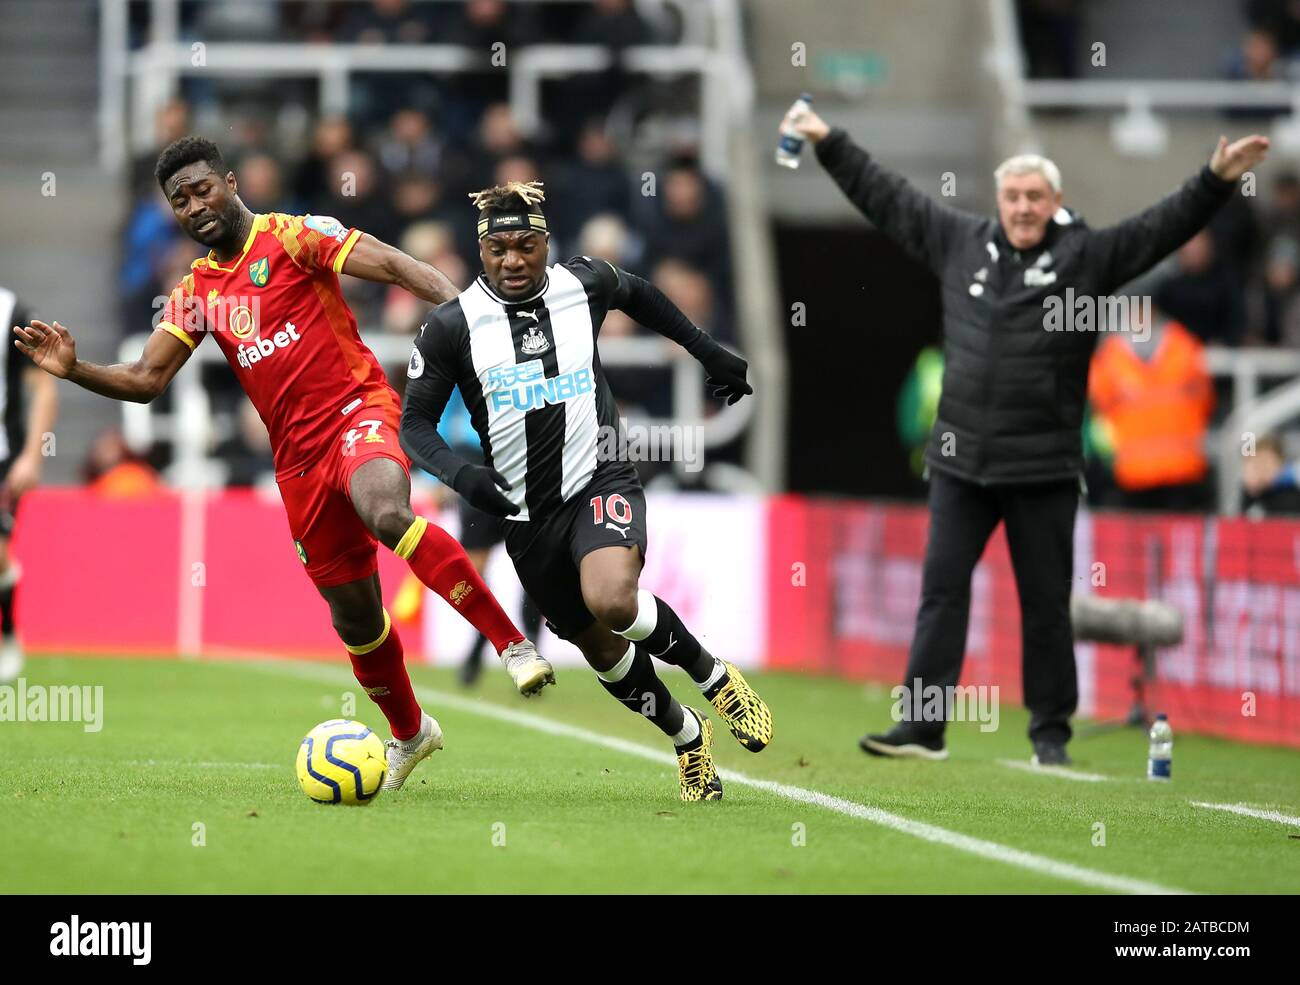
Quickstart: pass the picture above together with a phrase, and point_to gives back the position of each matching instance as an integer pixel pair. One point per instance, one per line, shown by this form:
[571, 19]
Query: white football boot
[404, 754]
[529, 669]
[11, 660]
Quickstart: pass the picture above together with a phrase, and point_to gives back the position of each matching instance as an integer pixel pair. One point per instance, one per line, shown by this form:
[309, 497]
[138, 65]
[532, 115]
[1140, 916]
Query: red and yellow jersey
[278, 313]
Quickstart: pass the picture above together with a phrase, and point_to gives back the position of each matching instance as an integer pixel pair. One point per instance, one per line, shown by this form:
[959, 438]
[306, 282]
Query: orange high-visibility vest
[1158, 411]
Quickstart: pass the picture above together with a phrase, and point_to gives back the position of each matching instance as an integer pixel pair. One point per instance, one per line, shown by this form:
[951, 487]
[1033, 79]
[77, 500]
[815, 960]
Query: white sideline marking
[1064, 772]
[183, 762]
[918, 829]
[1251, 812]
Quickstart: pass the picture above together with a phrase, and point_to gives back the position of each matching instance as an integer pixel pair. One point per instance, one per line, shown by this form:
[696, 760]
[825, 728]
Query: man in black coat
[1007, 444]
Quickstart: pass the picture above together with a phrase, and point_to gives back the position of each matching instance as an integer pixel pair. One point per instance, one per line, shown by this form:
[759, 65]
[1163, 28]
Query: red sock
[440, 562]
[381, 670]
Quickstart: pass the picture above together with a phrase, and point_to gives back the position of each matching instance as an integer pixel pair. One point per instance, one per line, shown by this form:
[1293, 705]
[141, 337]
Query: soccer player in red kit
[269, 292]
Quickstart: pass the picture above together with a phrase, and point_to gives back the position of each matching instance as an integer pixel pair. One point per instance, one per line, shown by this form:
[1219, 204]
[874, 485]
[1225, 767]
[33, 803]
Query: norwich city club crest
[259, 271]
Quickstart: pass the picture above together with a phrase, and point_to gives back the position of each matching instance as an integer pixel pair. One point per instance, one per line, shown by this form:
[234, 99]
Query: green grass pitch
[538, 799]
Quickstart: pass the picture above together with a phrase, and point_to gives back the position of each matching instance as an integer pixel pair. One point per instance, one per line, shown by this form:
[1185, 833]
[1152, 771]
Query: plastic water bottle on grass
[1160, 754]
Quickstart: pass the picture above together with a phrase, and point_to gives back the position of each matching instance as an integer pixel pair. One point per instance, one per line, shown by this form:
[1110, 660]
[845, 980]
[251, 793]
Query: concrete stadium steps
[50, 84]
[59, 253]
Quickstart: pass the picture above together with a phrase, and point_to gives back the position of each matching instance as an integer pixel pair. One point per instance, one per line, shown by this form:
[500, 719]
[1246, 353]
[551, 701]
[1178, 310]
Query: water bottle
[1160, 755]
[790, 144]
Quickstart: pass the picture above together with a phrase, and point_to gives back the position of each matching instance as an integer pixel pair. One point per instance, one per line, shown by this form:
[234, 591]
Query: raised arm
[373, 259]
[915, 221]
[52, 348]
[1121, 252]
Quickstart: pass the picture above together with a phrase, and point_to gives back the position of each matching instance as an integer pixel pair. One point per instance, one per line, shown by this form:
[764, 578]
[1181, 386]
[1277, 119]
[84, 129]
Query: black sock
[475, 653]
[640, 690]
[532, 619]
[7, 611]
[673, 643]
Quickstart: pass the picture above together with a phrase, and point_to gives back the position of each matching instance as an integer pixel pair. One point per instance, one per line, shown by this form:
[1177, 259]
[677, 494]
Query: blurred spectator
[1203, 293]
[690, 290]
[499, 137]
[1270, 483]
[435, 244]
[1282, 214]
[261, 184]
[613, 23]
[691, 225]
[1280, 18]
[481, 24]
[355, 198]
[596, 182]
[171, 121]
[247, 452]
[608, 237]
[238, 20]
[112, 469]
[389, 22]
[409, 144]
[1151, 385]
[331, 136]
[150, 236]
[417, 197]
[1273, 300]
[1257, 60]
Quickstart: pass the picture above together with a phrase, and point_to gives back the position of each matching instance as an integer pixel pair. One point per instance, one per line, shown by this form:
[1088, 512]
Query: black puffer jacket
[1013, 390]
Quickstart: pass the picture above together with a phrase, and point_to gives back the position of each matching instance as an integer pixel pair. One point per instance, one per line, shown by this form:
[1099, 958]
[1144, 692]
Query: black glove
[478, 484]
[726, 379]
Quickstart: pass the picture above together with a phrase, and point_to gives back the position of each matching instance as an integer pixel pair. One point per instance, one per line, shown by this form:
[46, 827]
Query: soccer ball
[341, 762]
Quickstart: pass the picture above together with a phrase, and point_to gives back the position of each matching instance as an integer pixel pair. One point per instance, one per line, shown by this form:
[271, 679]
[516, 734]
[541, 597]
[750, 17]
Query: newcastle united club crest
[534, 342]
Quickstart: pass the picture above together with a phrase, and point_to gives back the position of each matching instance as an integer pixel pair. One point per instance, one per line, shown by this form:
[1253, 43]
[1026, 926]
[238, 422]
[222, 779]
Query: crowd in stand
[401, 162]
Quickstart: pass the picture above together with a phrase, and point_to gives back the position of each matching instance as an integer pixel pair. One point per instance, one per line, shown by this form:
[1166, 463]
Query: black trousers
[1040, 533]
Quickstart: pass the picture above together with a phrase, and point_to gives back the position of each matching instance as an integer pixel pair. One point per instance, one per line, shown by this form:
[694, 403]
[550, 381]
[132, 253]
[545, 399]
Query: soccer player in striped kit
[23, 434]
[520, 343]
[269, 292]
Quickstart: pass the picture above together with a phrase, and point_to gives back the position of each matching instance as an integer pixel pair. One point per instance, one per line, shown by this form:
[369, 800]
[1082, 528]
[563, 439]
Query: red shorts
[331, 540]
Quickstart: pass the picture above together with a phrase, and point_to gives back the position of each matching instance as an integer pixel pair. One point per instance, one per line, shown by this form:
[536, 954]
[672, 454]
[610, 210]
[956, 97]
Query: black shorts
[547, 552]
[479, 531]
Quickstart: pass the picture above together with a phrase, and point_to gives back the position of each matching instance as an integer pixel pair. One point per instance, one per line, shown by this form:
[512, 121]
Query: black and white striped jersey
[530, 375]
[13, 422]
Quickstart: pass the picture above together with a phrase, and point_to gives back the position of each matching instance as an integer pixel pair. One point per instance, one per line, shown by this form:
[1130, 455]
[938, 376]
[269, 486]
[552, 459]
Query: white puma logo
[529, 314]
[621, 530]
[672, 642]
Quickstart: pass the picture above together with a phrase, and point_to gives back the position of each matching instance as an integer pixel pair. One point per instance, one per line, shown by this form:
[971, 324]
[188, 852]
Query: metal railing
[1252, 414]
[134, 83]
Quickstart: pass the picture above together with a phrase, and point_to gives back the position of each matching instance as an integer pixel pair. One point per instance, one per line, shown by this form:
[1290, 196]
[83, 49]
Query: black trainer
[1051, 754]
[905, 741]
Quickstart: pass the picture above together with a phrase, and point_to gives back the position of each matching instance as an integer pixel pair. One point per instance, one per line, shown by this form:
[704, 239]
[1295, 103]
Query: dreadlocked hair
[512, 195]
